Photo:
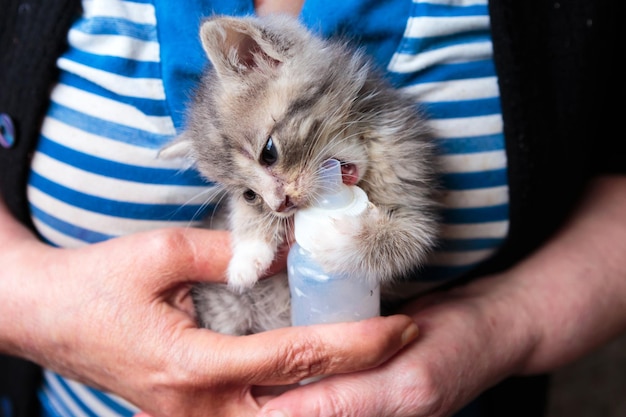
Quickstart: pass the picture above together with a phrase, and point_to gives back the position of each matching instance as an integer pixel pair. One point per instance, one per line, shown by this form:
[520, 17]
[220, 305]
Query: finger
[181, 299]
[289, 355]
[197, 254]
[320, 400]
[345, 395]
[263, 394]
[168, 257]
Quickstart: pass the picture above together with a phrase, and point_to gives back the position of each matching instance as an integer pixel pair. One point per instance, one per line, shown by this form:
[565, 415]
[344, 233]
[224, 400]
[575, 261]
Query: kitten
[276, 104]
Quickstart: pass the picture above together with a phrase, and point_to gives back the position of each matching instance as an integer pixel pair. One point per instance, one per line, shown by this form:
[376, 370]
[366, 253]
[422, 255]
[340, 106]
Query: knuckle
[177, 377]
[171, 376]
[170, 248]
[421, 391]
[169, 241]
[304, 358]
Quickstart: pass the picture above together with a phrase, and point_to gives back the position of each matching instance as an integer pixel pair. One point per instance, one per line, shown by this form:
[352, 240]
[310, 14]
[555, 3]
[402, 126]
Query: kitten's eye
[269, 155]
[249, 196]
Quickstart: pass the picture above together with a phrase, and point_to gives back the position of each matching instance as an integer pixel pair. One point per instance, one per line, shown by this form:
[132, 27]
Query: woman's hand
[558, 304]
[462, 349]
[113, 315]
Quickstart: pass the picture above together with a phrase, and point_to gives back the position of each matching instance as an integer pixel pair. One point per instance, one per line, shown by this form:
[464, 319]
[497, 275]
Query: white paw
[250, 260]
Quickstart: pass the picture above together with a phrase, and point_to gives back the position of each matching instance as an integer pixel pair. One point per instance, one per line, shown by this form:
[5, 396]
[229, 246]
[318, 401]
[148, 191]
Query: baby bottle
[317, 296]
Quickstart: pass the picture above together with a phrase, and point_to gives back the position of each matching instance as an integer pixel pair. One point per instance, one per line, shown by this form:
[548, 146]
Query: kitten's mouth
[349, 176]
[349, 173]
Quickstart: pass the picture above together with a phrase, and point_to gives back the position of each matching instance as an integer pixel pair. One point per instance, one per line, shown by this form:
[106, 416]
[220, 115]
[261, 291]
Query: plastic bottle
[316, 296]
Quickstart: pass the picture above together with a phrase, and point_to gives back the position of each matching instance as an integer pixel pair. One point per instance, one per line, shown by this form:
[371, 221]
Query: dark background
[595, 386]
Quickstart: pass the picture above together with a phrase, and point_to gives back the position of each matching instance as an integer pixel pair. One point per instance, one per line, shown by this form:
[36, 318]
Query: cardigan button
[7, 131]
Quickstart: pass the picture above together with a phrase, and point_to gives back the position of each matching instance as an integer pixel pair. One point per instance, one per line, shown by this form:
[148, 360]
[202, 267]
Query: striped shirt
[445, 60]
[125, 81]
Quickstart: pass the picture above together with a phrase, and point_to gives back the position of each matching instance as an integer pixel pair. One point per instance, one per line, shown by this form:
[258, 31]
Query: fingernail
[409, 334]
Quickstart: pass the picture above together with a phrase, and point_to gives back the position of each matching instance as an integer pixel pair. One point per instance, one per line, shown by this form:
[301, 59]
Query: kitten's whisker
[216, 207]
[210, 192]
[329, 121]
[328, 149]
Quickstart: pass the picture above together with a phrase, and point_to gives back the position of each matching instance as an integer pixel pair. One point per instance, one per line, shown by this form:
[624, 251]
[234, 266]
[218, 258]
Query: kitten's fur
[315, 99]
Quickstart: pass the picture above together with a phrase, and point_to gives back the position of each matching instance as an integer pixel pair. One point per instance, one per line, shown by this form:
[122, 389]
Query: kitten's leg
[251, 258]
[221, 310]
[379, 245]
[256, 238]
[266, 306]
[272, 303]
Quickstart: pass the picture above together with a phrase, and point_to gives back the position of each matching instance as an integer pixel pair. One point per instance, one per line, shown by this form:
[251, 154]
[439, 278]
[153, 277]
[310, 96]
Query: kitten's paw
[340, 247]
[250, 260]
[353, 226]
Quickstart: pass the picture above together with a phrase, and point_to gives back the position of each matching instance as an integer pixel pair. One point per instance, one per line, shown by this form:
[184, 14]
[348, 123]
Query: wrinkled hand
[561, 302]
[110, 315]
[460, 352]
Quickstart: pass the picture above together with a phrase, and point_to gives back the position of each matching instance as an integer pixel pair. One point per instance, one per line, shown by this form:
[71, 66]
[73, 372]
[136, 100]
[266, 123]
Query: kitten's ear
[236, 46]
[180, 147]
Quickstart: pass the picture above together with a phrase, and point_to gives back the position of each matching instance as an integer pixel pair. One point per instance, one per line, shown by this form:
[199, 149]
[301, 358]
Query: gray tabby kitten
[277, 103]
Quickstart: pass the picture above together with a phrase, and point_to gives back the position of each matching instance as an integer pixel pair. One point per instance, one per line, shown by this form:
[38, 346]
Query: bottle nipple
[335, 194]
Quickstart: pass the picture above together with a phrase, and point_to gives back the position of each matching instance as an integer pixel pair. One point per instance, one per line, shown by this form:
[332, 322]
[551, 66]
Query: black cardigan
[557, 70]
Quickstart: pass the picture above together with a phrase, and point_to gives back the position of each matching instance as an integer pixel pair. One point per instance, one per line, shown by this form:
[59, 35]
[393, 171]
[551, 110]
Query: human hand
[556, 305]
[462, 350]
[109, 315]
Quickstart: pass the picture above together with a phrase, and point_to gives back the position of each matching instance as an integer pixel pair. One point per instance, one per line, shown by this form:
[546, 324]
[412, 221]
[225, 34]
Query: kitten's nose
[286, 205]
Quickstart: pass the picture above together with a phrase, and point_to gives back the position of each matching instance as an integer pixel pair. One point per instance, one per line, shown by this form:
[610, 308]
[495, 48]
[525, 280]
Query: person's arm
[110, 315]
[560, 303]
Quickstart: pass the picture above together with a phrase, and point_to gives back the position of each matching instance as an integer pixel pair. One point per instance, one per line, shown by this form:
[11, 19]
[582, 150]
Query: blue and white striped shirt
[128, 74]
[446, 60]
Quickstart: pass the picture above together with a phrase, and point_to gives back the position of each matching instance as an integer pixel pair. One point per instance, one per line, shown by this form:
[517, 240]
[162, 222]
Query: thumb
[179, 255]
[289, 355]
[356, 390]
[343, 395]
[173, 255]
